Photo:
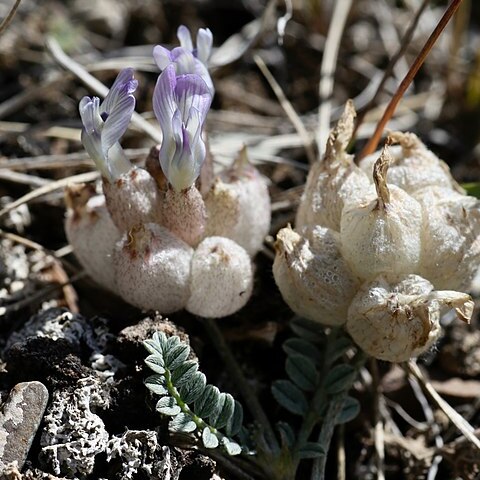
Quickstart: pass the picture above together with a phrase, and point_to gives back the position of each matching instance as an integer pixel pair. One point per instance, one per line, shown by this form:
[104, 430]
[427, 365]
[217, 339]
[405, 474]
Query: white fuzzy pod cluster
[383, 249]
[238, 206]
[162, 249]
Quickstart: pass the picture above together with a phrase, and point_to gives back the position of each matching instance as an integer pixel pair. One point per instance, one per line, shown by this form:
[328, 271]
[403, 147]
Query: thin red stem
[372, 144]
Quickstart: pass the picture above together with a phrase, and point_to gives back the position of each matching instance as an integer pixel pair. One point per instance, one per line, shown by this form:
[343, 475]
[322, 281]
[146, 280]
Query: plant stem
[371, 146]
[249, 396]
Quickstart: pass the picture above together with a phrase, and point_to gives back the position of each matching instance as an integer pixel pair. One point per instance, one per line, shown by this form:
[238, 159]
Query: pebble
[20, 418]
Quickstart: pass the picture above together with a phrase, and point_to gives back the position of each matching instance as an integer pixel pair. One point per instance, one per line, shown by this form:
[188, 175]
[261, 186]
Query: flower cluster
[383, 258]
[153, 237]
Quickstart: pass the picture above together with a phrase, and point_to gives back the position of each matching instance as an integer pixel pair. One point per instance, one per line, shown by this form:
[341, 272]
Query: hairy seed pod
[333, 180]
[92, 233]
[238, 206]
[312, 276]
[413, 166]
[184, 214]
[133, 198]
[221, 279]
[400, 319]
[450, 239]
[381, 233]
[152, 269]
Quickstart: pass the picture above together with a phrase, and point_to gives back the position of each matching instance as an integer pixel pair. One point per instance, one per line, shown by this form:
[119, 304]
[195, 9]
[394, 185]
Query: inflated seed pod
[382, 233]
[184, 214]
[333, 180]
[133, 198]
[221, 279]
[238, 206]
[400, 319]
[450, 239]
[413, 166]
[152, 269]
[92, 233]
[312, 276]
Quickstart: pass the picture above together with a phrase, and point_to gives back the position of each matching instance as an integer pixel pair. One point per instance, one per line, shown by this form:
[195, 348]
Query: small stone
[19, 421]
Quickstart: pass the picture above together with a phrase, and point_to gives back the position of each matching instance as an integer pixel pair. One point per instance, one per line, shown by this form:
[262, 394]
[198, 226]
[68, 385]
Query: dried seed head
[450, 239]
[221, 279]
[238, 206]
[312, 276]
[152, 269]
[381, 233]
[413, 166]
[91, 233]
[397, 320]
[334, 180]
[132, 199]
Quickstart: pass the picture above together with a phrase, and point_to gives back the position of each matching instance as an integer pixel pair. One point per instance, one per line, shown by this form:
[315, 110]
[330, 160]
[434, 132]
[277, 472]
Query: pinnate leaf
[340, 378]
[182, 423]
[156, 384]
[290, 397]
[168, 406]
[193, 388]
[302, 371]
[207, 403]
[209, 439]
[350, 409]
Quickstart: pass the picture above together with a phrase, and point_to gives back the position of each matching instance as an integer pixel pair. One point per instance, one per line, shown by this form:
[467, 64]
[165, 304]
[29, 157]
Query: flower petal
[162, 56]
[123, 86]
[185, 38]
[192, 91]
[204, 44]
[164, 105]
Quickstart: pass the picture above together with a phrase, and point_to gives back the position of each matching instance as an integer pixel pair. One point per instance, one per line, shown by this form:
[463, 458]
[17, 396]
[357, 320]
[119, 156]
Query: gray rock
[73, 434]
[19, 421]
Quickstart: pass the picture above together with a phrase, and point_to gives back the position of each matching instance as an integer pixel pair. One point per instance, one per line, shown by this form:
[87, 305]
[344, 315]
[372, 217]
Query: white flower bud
[312, 276]
[133, 198]
[184, 214]
[413, 166]
[238, 206]
[450, 239]
[334, 180]
[221, 278]
[382, 233]
[152, 269]
[399, 320]
[92, 233]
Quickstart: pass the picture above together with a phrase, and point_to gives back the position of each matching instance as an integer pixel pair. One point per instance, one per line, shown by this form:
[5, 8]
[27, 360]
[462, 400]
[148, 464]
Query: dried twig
[327, 70]
[7, 20]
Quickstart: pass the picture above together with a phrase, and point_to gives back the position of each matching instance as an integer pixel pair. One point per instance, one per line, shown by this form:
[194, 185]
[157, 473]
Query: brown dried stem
[372, 144]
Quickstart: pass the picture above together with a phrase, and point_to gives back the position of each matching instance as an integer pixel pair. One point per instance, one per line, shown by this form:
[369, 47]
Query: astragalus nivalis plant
[384, 248]
[153, 237]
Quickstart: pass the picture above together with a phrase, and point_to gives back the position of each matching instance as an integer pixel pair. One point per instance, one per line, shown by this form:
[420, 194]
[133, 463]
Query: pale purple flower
[187, 58]
[181, 103]
[105, 123]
